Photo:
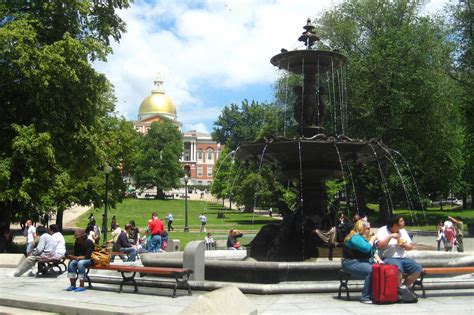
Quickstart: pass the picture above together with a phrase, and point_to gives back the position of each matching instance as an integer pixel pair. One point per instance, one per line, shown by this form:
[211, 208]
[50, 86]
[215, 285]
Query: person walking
[450, 234]
[30, 233]
[203, 219]
[458, 226]
[440, 237]
[169, 218]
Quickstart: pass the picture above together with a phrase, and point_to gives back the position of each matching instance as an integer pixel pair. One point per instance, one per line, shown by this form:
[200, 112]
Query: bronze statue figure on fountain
[309, 107]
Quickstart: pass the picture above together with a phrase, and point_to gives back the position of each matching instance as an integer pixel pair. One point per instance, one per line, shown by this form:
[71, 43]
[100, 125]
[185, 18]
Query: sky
[209, 53]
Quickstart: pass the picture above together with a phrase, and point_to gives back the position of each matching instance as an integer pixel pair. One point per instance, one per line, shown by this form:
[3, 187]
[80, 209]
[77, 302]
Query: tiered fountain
[281, 252]
[308, 160]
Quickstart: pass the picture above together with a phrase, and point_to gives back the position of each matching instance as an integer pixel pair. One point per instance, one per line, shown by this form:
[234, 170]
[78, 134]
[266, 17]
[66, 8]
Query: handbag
[100, 257]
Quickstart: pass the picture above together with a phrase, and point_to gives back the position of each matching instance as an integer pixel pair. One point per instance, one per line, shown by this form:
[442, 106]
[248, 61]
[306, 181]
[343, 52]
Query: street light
[107, 171]
[186, 227]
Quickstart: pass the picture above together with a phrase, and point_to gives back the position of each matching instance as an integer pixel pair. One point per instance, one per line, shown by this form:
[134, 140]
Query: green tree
[399, 86]
[461, 22]
[246, 123]
[158, 164]
[256, 185]
[50, 90]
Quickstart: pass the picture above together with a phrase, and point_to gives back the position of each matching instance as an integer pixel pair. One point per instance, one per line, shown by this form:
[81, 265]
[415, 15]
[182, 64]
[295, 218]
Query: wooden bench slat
[154, 270]
[447, 270]
[116, 268]
[180, 275]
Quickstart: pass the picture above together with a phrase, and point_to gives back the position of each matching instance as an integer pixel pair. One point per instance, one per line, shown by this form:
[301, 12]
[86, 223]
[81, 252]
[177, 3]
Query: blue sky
[209, 53]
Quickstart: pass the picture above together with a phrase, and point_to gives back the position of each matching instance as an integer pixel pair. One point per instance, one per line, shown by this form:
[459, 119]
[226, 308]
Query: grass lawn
[433, 216]
[140, 210]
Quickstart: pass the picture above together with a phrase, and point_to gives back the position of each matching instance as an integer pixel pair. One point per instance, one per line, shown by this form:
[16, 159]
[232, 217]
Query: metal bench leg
[419, 282]
[128, 279]
[87, 277]
[182, 283]
[343, 279]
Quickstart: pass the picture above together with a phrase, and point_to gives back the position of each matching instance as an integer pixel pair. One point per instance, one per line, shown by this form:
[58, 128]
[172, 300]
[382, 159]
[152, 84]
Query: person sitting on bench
[79, 264]
[359, 255]
[393, 241]
[123, 245]
[45, 249]
[58, 241]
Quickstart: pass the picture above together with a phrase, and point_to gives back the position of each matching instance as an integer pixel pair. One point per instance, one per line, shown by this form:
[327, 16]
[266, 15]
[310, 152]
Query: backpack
[405, 295]
[100, 257]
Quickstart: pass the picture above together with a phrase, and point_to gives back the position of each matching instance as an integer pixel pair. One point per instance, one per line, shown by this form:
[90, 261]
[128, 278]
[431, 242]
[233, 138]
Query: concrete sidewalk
[49, 295]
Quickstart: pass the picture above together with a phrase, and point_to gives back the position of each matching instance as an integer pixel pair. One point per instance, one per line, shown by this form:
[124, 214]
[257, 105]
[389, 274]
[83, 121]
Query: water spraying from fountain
[257, 186]
[405, 189]
[316, 161]
[385, 188]
[231, 153]
[413, 179]
[343, 177]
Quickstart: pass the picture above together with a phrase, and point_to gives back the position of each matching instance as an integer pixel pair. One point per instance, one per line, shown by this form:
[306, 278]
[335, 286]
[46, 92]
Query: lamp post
[107, 171]
[186, 227]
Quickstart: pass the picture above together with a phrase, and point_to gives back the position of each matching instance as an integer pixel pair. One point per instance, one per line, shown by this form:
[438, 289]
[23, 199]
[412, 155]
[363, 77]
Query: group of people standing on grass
[450, 233]
[362, 249]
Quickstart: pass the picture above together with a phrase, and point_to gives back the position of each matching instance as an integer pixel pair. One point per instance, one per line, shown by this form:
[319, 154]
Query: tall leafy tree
[158, 164]
[400, 90]
[461, 21]
[248, 183]
[50, 91]
[246, 123]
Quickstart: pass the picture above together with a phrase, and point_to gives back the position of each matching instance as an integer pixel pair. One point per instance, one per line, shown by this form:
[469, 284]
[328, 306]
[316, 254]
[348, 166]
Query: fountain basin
[301, 61]
[245, 270]
[319, 156]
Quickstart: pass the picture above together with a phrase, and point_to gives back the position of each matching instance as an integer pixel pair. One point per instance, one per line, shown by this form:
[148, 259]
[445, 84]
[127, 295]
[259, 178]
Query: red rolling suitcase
[384, 283]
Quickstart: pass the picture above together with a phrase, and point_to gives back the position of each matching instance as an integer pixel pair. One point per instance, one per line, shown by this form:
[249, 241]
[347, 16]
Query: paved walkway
[49, 295]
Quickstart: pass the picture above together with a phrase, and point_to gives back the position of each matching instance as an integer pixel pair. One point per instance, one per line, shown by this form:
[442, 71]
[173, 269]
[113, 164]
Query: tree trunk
[5, 215]
[384, 211]
[464, 201]
[361, 199]
[248, 208]
[5, 220]
[59, 219]
[471, 205]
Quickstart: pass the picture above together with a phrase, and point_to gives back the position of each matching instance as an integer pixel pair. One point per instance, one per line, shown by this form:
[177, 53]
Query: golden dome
[157, 103]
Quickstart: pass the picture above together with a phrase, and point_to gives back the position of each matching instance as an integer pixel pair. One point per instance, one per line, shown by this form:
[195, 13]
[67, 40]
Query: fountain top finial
[308, 37]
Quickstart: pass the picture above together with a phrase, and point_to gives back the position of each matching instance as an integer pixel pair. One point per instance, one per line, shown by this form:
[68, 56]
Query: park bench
[344, 277]
[440, 271]
[128, 273]
[51, 266]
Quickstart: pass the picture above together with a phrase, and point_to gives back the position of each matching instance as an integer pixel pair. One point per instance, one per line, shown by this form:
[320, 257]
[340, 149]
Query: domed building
[200, 151]
[155, 107]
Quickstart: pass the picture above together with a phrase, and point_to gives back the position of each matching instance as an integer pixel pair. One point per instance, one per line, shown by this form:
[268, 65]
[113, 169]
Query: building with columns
[200, 151]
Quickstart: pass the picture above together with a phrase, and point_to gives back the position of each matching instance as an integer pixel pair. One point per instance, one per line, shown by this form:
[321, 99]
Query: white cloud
[223, 45]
